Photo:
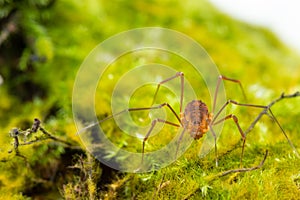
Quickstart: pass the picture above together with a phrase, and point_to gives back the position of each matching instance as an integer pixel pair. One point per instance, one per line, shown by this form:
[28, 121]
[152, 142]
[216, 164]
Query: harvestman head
[197, 120]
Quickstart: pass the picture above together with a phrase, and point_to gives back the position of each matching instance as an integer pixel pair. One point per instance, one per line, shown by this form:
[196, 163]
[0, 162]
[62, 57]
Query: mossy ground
[65, 32]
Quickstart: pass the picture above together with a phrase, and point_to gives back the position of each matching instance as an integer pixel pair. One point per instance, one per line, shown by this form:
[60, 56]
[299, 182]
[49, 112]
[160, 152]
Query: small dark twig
[158, 188]
[14, 134]
[38, 139]
[8, 29]
[214, 177]
[36, 126]
[50, 136]
[245, 169]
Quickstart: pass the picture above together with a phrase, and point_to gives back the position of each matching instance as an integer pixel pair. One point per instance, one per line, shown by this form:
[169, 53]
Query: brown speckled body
[196, 118]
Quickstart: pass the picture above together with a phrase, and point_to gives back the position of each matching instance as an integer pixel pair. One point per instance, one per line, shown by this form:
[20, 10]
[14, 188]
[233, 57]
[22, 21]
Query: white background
[281, 16]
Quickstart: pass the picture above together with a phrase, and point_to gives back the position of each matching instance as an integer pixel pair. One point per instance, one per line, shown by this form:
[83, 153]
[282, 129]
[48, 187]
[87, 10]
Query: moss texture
[44, 42]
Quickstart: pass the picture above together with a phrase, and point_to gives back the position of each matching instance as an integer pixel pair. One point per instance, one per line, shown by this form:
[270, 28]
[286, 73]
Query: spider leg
[152, 124]
[150, 130]
[236, 121]
[179, 140]
[266, 109]
[178, 74]
[245, 169]
[215, 140]
[238, 104]
[220, 78]
[131, 110]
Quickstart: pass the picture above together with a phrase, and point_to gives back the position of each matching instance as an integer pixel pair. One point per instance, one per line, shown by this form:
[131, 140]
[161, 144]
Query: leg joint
[179, 74]
[235, 119]
[232, 101]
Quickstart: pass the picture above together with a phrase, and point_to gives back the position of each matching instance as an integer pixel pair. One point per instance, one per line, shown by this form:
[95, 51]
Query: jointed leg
[221, 77]
[150, 130]
[266, 109]
[215, 140]
[168, 79]
[152, 124]
[132, 110]
[238, 104]
[214, 122]
[179, 141]
[235, 119]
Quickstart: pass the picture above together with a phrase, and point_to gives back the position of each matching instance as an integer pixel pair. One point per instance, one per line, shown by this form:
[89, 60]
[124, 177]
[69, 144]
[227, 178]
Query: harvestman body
[196, 118]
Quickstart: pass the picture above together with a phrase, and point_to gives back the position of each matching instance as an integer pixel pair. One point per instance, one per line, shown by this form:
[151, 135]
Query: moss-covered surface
[47, 41]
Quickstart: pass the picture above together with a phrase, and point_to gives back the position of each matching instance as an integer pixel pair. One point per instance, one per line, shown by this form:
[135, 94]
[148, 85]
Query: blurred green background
[42, 45]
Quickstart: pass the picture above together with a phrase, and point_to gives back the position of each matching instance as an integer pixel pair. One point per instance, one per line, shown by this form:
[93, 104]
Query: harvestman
[196, 119]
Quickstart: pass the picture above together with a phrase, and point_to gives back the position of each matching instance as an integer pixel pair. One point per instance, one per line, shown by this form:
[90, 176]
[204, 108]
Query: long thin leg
[132, 110]
[179, 141]
[150, 130]
[265, 111]
[215, 140]
[236, 103]
[236, 121]
[220, 78]
[178, 74]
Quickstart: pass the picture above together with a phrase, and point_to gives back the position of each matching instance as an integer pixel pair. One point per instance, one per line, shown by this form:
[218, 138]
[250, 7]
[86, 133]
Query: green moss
[64, 32]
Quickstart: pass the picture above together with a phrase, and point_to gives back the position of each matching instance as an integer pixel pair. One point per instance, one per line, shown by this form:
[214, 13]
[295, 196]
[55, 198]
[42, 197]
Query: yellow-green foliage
[56, 39]
[44, 48]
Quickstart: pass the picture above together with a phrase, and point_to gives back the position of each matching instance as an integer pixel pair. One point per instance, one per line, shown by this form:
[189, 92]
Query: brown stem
[245, 169]
[53, 137]
[8, 29]
[214, 177]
